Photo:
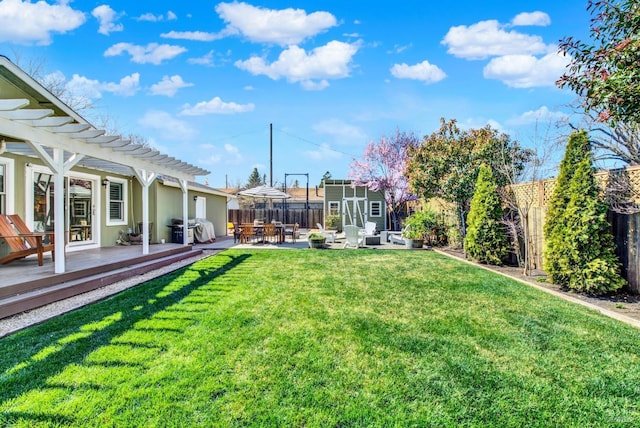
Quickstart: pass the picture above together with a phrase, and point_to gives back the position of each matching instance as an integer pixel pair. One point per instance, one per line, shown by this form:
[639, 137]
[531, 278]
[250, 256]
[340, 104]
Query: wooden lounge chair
[23, 242]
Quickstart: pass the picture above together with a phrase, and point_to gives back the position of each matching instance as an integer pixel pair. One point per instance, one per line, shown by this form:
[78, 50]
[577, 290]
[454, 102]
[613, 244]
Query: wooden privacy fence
[306, 219]
[532, 199]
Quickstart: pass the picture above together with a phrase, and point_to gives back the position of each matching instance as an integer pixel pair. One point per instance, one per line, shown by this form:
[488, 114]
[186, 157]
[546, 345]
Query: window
[334, 208]
[3, 189]
[375, 209]
[116, 202]
[6, 186]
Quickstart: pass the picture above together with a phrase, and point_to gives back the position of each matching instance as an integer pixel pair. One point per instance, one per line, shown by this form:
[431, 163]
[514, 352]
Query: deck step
[54, 279]
[78, 283]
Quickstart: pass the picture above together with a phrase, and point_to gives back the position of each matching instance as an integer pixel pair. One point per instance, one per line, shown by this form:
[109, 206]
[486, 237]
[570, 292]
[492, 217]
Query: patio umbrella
[264, 192]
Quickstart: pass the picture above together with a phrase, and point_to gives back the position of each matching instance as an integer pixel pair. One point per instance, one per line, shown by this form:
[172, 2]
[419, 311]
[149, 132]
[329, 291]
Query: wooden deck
[24, 285]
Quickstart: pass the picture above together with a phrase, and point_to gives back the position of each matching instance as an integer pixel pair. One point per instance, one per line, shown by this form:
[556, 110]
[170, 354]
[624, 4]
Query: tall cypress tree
[486, 240]
[580, 251]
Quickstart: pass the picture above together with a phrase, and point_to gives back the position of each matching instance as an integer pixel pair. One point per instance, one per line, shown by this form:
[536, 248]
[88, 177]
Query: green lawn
[324, 338]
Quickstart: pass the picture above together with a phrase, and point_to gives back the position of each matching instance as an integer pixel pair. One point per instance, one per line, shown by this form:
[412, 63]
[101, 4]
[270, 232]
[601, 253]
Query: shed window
[334, 208]
[375, 209]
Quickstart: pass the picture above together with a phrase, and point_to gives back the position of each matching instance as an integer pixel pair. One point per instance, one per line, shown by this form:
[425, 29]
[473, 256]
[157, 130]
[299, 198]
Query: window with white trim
[334, 207]
[6, 186]
[3, 189]
[116, 202]
[375, 209]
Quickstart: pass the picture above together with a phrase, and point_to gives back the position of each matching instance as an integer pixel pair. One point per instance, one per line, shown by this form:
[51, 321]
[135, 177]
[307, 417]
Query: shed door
[354, 211]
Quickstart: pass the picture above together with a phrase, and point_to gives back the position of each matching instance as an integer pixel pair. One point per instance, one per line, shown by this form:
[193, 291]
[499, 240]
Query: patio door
[81, 206]
[354, 211]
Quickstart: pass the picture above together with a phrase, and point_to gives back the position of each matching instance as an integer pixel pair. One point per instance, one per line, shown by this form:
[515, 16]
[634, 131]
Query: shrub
[486, 240]
[580, 251]
[420, 225]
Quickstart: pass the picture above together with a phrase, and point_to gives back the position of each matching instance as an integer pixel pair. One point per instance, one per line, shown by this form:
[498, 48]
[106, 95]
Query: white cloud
[107, 17]
[526, 71]
[331, 61]
[216, 106]
[423, 71]
[323, 153]
[233, 152]
[541, 115]
[311, 85]
[206, 59]
[167, 125]
[153, 53]
[340, 131]
[169, 86]
[486, 38]
[283, 27]
[127, 86]
[150, 17]
[25, 22]
[83, 88]
[200, 36]
[537, 18]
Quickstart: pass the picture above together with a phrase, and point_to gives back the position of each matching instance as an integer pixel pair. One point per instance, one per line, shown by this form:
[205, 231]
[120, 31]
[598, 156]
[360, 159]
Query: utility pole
[271, 154]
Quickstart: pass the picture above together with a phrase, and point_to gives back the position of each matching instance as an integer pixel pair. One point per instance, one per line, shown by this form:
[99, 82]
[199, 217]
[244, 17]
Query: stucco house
[62, 174]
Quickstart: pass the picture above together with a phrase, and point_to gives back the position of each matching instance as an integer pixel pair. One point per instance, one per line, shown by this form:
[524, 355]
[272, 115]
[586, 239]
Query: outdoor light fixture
[195, 198]
[105, 181]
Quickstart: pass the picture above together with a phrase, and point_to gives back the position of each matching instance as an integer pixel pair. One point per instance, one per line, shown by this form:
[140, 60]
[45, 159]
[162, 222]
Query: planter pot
[316, 244]
[413, 243]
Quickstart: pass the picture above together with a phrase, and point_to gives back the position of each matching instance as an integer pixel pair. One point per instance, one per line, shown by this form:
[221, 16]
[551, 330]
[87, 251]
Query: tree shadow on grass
[34, 355]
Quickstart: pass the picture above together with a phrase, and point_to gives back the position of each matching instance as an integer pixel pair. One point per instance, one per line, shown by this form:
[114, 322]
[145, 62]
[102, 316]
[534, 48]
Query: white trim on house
[125, 201]
[9, 180]
[35, 123]
[372, 210]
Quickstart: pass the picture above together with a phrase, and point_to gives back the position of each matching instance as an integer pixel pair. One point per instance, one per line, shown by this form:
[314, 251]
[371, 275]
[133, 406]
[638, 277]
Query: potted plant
[316, 240]
[417, 227]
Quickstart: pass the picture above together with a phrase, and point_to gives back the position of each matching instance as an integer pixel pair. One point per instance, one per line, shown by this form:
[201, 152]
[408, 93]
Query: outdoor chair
[22, 242]
[329, 235]
[291, 230]
[353, 236]
[247, 233]
[269, 233]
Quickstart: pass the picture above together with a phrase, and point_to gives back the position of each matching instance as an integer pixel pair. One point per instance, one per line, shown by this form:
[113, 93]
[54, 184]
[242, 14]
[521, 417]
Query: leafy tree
[580, 251]
[254, 179]
[486, 240]
[382, 168]
[446, 163]
[604, 71]
[325, 176]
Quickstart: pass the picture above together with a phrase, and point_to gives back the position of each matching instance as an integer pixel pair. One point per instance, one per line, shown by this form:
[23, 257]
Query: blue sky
[203, 80]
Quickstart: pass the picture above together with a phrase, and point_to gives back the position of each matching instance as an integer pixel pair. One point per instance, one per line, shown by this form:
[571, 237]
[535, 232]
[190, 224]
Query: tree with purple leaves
[382, 169]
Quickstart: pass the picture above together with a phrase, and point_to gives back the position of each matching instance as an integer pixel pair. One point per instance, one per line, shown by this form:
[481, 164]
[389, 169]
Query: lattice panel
[549, 186]
[538, 193]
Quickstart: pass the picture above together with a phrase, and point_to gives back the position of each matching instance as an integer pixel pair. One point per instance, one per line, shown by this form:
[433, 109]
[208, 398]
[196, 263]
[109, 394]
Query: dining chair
[248, 233]
[291, 230]
[269, 232]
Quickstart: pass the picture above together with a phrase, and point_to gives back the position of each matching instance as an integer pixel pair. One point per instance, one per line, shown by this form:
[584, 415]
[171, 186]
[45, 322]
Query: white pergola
[33, 122]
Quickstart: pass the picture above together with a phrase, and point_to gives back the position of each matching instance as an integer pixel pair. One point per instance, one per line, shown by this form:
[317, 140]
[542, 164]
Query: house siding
[337, 190]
